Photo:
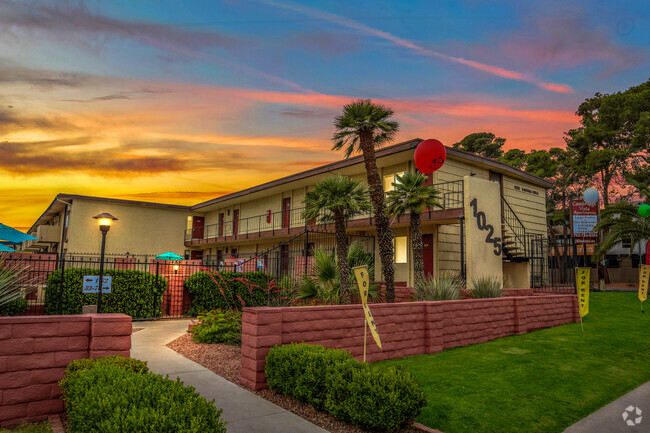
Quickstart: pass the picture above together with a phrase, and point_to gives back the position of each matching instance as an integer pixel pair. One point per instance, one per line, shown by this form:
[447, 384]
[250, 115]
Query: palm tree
[338, 198]
[413, 196]
[621, 221]
[361, 127]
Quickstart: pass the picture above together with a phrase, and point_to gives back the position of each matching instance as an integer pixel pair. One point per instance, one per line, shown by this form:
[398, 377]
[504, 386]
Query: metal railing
[451, 196]
[515, 230]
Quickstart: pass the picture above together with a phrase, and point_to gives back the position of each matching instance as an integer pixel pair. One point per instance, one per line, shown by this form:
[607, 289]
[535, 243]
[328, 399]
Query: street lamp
[176, 267]
[105, 220]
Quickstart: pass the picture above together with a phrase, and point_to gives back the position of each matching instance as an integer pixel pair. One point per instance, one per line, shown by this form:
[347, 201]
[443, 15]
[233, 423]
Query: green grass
[43, 427]
[543, 381]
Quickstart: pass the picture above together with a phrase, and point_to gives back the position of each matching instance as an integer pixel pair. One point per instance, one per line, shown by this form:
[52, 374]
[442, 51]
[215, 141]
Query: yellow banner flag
[582, 283]
[644, 278]
[363, 280]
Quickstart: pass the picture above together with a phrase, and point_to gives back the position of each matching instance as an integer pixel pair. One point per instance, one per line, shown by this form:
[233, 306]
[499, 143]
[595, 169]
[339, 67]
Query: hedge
[13, 308]
[386, 398]
[206, 294]
[132, 292]
[218, 326]
[119, 396]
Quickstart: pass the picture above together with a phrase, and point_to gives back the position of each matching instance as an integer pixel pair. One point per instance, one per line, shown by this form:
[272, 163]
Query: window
[189, 222]
[400, 249]
[389, 179]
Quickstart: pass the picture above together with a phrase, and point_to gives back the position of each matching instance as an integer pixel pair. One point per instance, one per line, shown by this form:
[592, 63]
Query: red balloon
[430, 155]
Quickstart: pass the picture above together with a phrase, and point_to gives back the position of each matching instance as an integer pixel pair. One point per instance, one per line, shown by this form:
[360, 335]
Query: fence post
[306, 254]
[60, 309]
[155, 296]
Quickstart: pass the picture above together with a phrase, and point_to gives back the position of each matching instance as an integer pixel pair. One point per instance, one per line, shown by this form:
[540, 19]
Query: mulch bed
[225, 361]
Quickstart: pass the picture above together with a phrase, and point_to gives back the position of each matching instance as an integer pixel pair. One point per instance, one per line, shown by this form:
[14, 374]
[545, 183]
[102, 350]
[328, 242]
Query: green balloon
[644, 210]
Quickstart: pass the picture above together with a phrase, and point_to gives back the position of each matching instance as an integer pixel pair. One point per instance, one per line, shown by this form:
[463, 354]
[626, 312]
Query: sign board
[91, 284]
[644, 279]
[582, 284]
[583, 220]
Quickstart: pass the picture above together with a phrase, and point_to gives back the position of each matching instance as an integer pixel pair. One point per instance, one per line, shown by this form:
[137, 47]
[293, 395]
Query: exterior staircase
[513, 235]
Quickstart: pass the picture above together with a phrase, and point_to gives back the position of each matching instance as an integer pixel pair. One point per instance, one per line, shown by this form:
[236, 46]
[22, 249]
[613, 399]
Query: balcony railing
[282, 222]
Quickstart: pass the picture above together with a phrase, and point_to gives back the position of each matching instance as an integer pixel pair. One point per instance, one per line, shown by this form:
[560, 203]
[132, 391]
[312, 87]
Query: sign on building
[91, 284]
[583, 220]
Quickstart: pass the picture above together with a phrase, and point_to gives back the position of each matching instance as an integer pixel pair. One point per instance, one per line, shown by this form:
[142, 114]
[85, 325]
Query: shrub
[233, 290]
[13, 308]
[485, 287]
[218, 326]
[85, 364]
[443, 287]
[111, 399]
[132, 292]
[357, 393]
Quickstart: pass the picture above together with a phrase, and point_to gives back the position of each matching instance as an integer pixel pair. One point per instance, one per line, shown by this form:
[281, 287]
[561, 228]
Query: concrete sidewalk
[244, 411]
[610, 418]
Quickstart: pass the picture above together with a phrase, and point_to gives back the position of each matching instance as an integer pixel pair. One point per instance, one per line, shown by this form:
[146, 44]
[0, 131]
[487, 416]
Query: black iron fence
[143, 286]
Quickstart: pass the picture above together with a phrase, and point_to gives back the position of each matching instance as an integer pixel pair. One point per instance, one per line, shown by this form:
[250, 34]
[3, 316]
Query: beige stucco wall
[480, 255]
[138, 230]
[517, 274]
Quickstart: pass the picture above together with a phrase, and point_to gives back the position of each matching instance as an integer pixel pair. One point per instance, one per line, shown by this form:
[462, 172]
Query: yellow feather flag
[644, 278]
[582, 283]
[363, 280]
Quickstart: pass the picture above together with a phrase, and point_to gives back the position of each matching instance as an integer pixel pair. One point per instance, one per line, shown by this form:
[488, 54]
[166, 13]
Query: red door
[197, 227]
[286, 212]
[427, 254]
[196, 255]
[220, 225]
[235, 222]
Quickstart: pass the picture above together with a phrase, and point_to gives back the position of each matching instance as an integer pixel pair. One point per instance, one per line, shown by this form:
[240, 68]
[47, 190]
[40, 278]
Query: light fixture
[105, 220]
[176, 267]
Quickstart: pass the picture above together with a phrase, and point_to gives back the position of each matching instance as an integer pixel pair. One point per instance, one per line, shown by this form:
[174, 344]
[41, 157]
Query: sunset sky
[179, 102]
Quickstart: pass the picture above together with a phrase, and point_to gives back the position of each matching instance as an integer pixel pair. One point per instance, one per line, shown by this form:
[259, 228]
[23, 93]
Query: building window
[400, 249]
[389, 179]
[189, 222]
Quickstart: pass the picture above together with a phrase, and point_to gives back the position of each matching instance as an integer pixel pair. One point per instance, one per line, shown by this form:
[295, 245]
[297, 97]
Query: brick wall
[34, 351]
[405, 329]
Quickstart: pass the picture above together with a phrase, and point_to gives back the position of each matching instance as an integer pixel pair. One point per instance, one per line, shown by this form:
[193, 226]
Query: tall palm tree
[362, 127]
[413, 196]
[338, 198]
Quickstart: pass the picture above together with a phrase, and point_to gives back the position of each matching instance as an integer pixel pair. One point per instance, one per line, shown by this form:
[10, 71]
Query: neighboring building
[142, 228]
[493, 213]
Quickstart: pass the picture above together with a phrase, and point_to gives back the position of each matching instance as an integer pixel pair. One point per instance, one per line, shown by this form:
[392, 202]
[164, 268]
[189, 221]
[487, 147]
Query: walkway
[610, 418]
[244, 411]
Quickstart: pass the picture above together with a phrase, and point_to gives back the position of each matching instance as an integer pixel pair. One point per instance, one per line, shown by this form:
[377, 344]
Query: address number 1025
[482, 224]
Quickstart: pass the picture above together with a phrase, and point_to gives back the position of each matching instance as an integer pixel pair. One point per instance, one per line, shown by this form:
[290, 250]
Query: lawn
[43, 427]
[539, 382]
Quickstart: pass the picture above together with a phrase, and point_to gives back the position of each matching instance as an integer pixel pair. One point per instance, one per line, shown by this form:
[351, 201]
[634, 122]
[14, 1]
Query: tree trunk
[384, 233]
[342, 257]
[418, 256]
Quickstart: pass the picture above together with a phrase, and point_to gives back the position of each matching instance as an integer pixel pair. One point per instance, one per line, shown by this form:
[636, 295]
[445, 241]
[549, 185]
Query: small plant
[485, 287]
[218, 326]
[13, 281]
[443, 287]
[13, 308]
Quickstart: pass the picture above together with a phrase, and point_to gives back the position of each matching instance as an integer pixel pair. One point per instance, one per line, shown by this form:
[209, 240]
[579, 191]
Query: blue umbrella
[169, 256]
[12, 235]
[3, 247]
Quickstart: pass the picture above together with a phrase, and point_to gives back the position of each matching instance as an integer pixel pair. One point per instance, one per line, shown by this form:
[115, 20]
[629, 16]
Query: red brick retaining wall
[405, 329]
[34, 351]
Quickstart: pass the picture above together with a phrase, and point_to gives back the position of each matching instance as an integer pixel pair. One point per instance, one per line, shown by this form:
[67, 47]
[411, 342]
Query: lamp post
[105, 220]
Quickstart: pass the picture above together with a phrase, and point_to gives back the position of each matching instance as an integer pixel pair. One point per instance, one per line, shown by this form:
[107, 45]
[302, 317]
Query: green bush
[298, 370]
[111, 399]
[132, 292]
[85, 364]
[249, 287]
[218, 326]
[443, 287]
[386, 398]
[13, 308]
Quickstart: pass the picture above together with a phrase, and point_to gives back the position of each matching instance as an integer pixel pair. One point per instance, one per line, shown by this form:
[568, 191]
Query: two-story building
[492, 214]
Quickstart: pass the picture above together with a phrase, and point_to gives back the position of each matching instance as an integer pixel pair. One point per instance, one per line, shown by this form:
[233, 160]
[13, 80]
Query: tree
[361, 127]
[613, 136]
[338, 198]
[514, 157]
[482, 143]
[413, 196]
